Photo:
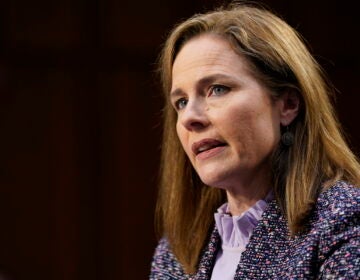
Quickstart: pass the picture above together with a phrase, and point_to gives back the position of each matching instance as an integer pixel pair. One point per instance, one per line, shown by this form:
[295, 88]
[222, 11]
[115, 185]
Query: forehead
[207, 54]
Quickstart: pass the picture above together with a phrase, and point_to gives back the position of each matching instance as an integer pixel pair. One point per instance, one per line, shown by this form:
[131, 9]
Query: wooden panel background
[80, 126]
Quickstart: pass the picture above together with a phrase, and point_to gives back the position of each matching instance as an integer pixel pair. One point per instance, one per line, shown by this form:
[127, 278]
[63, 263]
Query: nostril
[194, 117]
[197, 125]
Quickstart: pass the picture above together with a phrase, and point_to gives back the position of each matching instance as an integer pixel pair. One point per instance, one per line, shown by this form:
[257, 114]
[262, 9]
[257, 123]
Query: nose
[194, 116]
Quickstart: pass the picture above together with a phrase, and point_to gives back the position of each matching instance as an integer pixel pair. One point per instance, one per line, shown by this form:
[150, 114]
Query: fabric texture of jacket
[329, 248]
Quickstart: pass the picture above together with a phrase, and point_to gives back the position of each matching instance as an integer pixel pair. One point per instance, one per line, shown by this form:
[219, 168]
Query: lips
[206, 145]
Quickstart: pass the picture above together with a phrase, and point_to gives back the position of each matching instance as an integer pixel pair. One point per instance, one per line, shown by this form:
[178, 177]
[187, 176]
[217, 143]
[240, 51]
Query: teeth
[204, 148]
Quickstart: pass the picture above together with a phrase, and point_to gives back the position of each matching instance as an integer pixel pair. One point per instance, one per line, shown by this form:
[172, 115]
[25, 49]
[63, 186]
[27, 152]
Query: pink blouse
[235, 232]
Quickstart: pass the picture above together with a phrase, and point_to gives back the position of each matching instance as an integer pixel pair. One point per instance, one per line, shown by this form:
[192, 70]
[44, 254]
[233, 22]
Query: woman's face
[227, 122]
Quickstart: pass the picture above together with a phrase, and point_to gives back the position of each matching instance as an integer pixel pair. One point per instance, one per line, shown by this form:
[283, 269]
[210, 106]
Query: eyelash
[225, 89]
[214, 87]
[177, 103]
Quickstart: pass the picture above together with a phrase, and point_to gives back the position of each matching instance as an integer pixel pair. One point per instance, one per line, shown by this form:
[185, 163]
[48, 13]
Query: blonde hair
[318, 157]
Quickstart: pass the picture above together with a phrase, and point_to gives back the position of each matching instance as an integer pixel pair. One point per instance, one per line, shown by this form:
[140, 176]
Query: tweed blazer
[328, 249]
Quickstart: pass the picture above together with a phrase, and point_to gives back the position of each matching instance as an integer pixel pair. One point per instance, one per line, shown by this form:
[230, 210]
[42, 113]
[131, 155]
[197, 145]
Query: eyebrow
[200, 83]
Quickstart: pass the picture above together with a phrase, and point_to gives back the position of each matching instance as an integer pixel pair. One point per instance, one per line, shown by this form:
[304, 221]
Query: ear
[289, 106]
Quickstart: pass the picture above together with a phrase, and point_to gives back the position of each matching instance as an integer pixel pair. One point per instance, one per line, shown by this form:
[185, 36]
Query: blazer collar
[272, 214]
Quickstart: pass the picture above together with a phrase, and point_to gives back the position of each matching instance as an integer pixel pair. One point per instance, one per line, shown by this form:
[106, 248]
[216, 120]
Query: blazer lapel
[208, 258]
[262, 254]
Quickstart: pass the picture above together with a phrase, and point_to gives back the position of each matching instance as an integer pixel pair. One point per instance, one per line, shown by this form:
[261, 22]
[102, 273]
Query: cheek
[238, 122]
[253, 127]
[179, 133]
[183, 136]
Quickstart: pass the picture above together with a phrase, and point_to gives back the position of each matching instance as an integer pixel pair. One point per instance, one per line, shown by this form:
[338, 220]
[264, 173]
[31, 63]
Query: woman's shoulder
[339, 197]
[338, 205]
[335, 228]
[164, 264]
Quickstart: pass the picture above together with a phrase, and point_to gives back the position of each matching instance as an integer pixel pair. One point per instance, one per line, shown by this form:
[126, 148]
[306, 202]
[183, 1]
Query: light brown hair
[319, 156]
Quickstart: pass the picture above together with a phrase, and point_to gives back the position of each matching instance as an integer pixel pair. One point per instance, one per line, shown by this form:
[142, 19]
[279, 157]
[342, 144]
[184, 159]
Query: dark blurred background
[80, 126]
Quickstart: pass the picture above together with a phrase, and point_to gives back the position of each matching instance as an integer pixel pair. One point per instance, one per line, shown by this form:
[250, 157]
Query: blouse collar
[235, 231]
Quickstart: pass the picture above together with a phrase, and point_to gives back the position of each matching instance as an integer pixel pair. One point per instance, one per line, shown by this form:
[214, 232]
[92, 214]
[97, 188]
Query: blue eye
[180, 104]
[219, 90]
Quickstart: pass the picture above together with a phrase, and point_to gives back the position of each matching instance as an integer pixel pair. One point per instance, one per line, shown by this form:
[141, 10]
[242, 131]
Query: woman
[250, 135]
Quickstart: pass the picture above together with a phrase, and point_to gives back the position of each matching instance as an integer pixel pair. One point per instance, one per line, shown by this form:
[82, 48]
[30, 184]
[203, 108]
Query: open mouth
[206, 145]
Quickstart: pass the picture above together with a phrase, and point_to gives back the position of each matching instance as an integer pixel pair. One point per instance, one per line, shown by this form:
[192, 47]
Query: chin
[218, 177]
[212, 181]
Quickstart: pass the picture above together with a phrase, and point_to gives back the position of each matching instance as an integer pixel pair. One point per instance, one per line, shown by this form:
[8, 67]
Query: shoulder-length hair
[318, 157]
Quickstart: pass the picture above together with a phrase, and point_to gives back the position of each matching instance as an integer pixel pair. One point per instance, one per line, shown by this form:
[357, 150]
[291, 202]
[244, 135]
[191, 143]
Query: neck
[241, 199]
[251, 185]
